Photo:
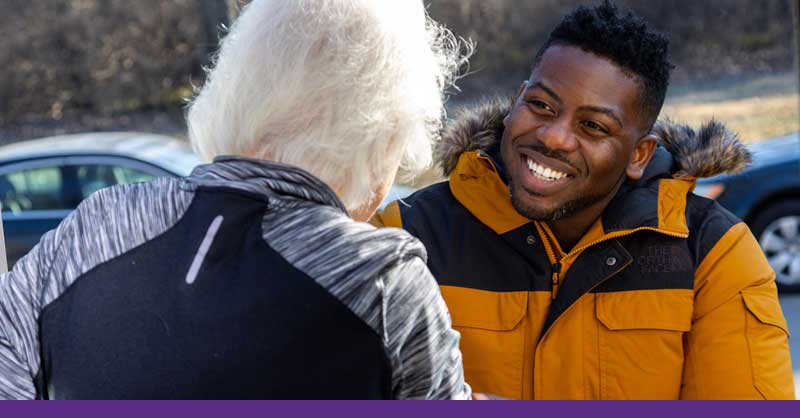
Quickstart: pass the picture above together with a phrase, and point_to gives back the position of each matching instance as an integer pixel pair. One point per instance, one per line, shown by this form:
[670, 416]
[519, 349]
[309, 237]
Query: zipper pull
[556, 279]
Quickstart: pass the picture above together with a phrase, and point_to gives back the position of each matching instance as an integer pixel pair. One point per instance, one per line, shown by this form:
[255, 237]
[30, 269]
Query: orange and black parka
[666, 296]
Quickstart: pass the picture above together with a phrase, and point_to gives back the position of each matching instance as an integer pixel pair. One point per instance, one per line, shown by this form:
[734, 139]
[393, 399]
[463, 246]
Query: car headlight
[709, 190]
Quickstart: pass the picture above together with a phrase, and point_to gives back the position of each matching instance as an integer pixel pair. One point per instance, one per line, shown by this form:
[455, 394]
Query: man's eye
[541, 105]
[595, 126]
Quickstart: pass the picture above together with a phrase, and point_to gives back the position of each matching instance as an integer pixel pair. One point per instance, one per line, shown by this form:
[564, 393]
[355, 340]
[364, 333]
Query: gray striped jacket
[245, 280]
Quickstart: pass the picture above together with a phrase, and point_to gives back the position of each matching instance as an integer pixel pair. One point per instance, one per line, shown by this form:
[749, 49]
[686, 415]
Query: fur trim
[474, 128]
[710, 151]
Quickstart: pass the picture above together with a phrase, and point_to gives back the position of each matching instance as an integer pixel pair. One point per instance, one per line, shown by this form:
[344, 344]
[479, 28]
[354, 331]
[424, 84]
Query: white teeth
[543, 172]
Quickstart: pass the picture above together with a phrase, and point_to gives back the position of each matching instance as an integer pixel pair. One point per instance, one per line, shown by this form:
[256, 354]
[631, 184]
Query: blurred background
[89, 66]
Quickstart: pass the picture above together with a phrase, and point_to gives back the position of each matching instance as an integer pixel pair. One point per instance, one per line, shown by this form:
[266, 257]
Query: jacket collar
[470, 154]
[277, 183]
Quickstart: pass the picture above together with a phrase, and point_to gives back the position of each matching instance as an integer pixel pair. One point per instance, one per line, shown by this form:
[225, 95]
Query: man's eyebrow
[604, 110]
[547, 90]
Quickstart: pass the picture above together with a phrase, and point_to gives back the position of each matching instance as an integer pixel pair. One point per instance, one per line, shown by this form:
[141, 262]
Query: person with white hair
[252, 278]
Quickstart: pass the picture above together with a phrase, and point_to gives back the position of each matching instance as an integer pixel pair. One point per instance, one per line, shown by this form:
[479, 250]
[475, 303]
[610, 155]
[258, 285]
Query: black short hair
[627, 40]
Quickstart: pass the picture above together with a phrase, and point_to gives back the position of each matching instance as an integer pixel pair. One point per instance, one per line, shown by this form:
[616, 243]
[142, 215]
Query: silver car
[43, 180]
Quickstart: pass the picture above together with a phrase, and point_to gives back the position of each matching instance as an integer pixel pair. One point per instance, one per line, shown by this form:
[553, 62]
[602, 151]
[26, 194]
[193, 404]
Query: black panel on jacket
[632, 207]
[249, 326]
[658, 261]
[464, 252]
[710, 221]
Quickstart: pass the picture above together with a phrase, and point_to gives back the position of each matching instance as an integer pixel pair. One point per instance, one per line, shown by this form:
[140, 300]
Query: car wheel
[778, 231]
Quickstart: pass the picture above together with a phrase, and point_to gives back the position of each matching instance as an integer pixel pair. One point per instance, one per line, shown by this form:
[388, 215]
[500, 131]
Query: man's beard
[566, 210]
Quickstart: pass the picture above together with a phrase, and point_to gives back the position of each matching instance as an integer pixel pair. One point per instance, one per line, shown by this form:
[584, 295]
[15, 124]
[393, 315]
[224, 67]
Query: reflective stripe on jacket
[666, 296]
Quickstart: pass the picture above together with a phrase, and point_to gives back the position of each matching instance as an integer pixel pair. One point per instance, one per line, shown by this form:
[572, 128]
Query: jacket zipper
[555, 279]
[555, 261]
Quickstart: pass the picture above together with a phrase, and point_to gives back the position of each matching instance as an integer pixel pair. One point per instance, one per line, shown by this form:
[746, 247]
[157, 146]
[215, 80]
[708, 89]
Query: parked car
[767, 197]
[43, 180]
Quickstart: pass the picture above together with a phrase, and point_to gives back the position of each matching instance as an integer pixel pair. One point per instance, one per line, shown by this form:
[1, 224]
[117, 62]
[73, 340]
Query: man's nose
[557, 135]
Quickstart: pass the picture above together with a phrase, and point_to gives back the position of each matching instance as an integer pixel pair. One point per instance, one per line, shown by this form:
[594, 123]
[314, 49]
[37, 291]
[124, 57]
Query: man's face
[572, 136]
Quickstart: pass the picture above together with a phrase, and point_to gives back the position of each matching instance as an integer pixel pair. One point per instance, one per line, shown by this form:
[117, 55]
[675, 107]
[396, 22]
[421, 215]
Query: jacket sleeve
[389, 216]
[422, 346]
[738, 346]
[20, 304]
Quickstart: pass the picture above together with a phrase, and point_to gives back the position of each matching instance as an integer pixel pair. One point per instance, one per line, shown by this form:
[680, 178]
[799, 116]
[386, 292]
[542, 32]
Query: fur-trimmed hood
[706, 152]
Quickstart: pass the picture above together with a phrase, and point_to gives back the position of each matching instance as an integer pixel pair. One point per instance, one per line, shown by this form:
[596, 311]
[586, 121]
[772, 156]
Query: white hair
[341, 88]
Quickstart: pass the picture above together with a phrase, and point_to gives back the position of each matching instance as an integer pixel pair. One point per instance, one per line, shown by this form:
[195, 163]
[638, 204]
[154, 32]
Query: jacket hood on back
[706, 152]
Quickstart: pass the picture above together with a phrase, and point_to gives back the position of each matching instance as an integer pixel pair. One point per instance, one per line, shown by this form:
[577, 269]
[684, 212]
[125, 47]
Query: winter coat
[666, 296]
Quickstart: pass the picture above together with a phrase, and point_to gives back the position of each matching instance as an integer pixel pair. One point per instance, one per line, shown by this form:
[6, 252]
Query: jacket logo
[664, 259]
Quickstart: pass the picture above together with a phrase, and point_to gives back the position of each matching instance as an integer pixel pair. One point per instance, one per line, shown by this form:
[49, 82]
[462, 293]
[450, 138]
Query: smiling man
[574, 259]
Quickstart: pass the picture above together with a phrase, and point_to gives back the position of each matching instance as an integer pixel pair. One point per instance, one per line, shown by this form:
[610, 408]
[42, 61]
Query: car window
[33, 189]
[54, 188]
[93, 177]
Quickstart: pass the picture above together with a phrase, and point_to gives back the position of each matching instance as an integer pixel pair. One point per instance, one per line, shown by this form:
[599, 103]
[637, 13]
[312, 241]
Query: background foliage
[75, 65]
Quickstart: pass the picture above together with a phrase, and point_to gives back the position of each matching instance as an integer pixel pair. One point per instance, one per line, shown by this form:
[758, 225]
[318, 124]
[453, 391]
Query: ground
[757, 108]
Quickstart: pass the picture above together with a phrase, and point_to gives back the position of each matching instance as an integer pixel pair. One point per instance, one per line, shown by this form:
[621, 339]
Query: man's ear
[641, 155]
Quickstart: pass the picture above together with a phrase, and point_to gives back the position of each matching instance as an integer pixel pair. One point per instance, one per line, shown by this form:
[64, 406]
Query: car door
[32, 199]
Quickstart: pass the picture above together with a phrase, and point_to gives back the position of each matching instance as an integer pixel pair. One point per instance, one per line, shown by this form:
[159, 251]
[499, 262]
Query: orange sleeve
[389, 216]
[738, 346]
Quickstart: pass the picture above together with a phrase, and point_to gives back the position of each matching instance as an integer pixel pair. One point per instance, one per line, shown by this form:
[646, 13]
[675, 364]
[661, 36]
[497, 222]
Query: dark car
[767, 197]
[43, 180]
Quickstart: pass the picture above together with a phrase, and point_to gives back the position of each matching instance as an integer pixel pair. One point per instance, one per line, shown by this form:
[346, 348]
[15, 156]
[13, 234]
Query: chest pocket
[492, 337]
[641, 342]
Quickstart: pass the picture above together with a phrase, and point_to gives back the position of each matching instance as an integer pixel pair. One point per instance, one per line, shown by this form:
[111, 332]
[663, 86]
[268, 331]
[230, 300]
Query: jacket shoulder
[318, 237]
[708, 223]
[434, 200]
